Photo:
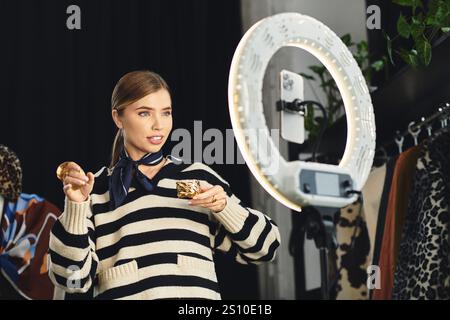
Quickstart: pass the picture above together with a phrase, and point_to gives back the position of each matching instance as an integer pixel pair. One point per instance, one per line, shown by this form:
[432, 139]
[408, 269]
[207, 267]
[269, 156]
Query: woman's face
[146, 123]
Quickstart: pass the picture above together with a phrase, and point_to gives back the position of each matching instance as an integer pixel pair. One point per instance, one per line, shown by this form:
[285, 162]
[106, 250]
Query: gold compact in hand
[187, 189]
[62, 172]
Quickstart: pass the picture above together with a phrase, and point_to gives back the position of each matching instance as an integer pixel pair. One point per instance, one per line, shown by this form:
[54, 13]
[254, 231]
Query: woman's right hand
[83, 183]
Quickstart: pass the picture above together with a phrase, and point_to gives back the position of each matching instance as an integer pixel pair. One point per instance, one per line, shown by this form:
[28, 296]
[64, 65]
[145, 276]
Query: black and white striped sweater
[154, 245]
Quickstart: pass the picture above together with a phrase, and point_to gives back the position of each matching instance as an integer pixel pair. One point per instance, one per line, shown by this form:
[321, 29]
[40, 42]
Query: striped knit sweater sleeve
[72, 259]
[249, 235]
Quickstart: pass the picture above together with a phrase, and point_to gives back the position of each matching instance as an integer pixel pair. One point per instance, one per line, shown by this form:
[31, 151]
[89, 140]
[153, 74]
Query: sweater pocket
[111, 279]
[200, 276]
[196, 267]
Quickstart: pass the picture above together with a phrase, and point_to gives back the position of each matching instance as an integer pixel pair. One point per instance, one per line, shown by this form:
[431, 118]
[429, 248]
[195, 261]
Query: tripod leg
[315, 229]
[324, 273]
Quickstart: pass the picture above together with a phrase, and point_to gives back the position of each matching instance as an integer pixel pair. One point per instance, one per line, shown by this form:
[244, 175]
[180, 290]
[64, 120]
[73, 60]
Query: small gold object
[62, 172]
[187, 189]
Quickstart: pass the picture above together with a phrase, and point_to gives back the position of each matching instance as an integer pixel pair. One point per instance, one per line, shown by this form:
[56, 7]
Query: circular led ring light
[248, 67]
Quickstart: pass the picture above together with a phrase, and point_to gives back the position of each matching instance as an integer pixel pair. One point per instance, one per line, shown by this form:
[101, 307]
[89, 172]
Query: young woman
[128, 235]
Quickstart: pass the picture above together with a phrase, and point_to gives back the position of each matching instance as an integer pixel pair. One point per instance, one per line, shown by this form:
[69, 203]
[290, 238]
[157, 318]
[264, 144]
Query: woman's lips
[155, 139]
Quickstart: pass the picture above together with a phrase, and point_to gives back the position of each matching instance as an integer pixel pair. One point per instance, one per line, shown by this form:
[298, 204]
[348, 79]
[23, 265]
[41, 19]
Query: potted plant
[427, 22]
[334, 104]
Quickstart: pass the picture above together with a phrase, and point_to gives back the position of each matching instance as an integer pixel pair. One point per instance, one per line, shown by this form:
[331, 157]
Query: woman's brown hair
[129, 89]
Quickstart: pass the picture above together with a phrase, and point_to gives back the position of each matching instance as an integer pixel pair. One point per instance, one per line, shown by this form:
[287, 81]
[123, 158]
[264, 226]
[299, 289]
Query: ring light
[299, 183]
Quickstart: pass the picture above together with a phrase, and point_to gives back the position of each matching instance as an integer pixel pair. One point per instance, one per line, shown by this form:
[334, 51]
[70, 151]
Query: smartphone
[292, 123]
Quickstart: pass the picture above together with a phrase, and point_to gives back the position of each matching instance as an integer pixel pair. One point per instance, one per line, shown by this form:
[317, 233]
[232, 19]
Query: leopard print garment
[10, 174]
[423, 267]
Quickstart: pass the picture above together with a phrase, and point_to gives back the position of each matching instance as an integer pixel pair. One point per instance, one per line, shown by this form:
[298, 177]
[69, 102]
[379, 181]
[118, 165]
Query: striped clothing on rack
[154, 245]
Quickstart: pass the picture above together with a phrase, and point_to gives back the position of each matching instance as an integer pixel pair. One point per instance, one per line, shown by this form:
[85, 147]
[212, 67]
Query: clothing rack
[441, 115]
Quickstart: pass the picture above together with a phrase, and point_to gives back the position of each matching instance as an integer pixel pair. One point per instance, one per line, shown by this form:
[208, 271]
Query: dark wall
[56, 84]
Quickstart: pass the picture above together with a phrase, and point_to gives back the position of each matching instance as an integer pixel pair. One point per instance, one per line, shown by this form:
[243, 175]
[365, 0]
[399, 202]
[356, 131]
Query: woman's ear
[116, 118]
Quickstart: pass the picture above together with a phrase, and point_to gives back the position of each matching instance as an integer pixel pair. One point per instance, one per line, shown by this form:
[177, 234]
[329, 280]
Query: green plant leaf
[307, 76]
[424, 51]
[437, 14]
[403, 27]
[363, 46]
[378, 65]
[347, 39]
[433, 6]
[362, 52]
[327, 83]
[389, 47]
[317, 69]
[419, 18]
[409, 3]
[410, 57]
[363, 62]
[406, 3]
[310, 125]
[417, 28]
[445, 29]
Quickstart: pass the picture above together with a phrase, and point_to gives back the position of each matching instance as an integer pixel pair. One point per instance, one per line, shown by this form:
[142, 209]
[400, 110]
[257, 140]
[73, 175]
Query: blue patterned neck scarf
[123, 173]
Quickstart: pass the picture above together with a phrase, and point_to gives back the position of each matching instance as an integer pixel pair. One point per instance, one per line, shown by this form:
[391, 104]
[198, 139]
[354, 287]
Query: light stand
[299, 185]
[312, 223]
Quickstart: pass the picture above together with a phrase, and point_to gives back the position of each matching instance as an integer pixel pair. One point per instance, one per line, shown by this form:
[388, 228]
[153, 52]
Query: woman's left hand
[212, 197]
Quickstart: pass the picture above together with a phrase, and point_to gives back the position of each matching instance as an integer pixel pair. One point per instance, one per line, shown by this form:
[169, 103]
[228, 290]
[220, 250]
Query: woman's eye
[144, 114]
[167, 113]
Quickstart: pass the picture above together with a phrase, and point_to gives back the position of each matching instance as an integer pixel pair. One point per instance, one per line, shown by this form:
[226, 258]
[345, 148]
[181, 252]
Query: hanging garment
[24, 242]
[423, 268]
[395, 217]
[10, 174]
[381, 219]
[372, 193]
[352, 253]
